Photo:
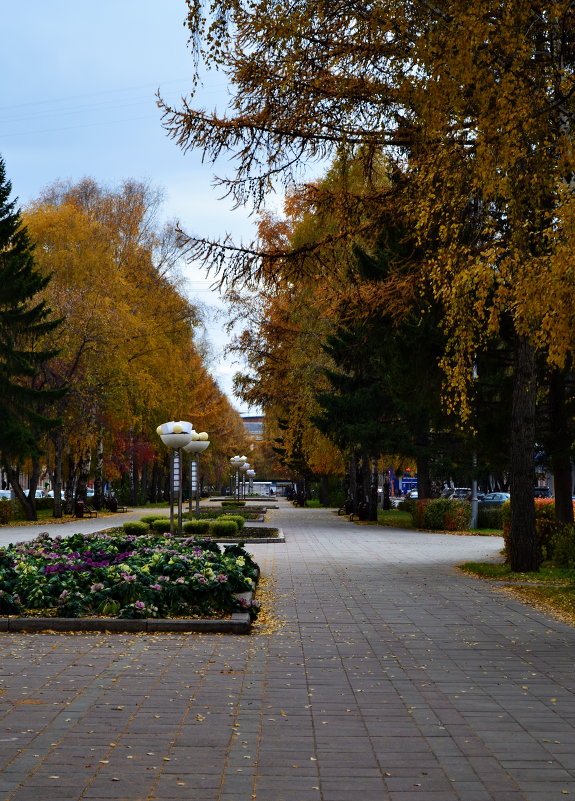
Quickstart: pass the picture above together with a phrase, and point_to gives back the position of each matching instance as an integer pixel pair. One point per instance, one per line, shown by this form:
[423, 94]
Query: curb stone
[238, 623]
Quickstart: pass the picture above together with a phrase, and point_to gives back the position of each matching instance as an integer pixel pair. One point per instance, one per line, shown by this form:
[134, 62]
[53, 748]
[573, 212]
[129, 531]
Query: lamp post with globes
[250, 474]
[237, 462]
[197, 445]
[244, 468]
[176, 435]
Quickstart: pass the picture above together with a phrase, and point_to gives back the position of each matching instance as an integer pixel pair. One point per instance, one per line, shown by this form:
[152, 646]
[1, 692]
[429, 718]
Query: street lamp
[244, 468]
[175, 436]
[199, 443]
[250, 474]
[237, 462]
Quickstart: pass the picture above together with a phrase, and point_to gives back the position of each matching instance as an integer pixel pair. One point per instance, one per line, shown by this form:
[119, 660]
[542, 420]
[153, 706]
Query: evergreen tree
[25, 320]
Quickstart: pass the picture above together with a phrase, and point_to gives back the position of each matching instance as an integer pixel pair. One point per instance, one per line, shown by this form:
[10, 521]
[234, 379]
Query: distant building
[254, 426]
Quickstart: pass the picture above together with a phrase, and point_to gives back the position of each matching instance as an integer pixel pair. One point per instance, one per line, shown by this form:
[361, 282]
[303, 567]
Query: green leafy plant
[124, 575]
[136, 527]
[238, 519]
[225, 528]
[196, 527]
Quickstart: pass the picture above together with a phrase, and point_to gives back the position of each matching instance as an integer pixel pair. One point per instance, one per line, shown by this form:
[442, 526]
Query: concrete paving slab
[385, 673]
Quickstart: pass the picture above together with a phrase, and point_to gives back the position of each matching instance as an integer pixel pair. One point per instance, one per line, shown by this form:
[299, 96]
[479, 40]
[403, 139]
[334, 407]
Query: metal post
[178, 466]
[172, 492]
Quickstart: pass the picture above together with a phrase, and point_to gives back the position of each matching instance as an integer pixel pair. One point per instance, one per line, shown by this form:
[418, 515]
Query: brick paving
[392, 677]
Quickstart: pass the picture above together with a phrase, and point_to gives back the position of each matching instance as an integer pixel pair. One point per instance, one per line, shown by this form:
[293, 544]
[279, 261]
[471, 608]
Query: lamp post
[198, 443]
[175, 436]
[250, 474]
[244, 468]
[237, 462]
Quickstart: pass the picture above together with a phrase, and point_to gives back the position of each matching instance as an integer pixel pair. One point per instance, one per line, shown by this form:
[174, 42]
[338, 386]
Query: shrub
[226, 528]
[44, 503]
[151, 517]
[136, 527]
[160, 525]
[239, 519]
[227, 504]
[564, 547]
[489, 517]
[548, 531]
[443, 514]
[6, 510]
[193, 528]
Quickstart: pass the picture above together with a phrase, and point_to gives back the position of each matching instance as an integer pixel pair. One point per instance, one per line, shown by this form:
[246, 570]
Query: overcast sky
[78, 99]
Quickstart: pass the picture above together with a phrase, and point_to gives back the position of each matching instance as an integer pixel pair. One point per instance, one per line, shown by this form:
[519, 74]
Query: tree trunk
[57, 478]
[70, 488]
[373, 492]
[99, 473]
[524, 551]
[423, 466]
[353, 483]
[560, 441]
[28, 504]
[83, 475]
[324, 491]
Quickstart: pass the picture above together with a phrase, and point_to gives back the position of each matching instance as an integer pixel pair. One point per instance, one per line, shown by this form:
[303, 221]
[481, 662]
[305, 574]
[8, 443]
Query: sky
[79, 99]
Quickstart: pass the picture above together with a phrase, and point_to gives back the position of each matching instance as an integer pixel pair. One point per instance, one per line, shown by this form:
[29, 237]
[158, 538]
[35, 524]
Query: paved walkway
[392, 677]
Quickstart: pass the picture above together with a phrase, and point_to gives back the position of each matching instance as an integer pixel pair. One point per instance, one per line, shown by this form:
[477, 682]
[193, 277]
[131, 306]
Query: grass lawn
[551, 589]
[395, 518]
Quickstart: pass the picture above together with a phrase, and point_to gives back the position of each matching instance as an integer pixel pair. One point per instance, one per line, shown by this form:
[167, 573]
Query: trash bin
[80, 509]
[363, 511]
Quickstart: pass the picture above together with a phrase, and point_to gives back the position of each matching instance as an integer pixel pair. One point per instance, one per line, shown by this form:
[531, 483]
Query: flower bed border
[238, 623]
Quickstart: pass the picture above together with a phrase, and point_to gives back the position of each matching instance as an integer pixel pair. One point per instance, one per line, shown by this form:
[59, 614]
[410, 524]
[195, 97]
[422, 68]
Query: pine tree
[25, 320]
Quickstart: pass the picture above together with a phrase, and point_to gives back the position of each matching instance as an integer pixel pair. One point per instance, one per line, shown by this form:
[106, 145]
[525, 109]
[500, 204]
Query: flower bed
[123, 576]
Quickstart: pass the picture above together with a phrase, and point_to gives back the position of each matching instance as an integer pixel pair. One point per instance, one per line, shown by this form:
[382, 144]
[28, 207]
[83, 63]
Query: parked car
[542, 492]
[5, 494]
[494, 498]
[412, 494]
[456, 493]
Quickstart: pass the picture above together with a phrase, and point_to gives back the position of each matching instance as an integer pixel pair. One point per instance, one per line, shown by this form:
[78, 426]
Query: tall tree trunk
[324, 491]
[560, 451]
[353, 482]
[423, 465]
[57, 477]
[99, 473]
[524, 552]
[27, 500]
[144, 482]
[83, 474]
[70, 488]
[373, 491]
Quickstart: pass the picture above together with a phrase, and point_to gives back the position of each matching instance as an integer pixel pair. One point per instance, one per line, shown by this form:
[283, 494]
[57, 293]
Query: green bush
[239, 519]
[138, 527]
[150, 518]
[226, 528]
[442, 514]
[489, 517]
[192, 528]
[160, 525]
[44, 503]
[564, 547]
[227, 504]
[6, 510]
[547, 529]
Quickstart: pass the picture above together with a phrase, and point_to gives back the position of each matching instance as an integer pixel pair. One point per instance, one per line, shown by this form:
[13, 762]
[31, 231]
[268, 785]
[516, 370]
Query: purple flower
[139, 605]
[156, 586]
[221, 578]
[127, 577]
[96, 587]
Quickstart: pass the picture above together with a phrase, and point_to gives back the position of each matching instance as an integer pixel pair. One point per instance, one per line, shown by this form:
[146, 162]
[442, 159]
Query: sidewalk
[392, 677]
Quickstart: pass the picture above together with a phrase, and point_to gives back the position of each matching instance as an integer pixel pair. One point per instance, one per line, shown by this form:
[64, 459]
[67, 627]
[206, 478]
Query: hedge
[138, 527]
[226, 528]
